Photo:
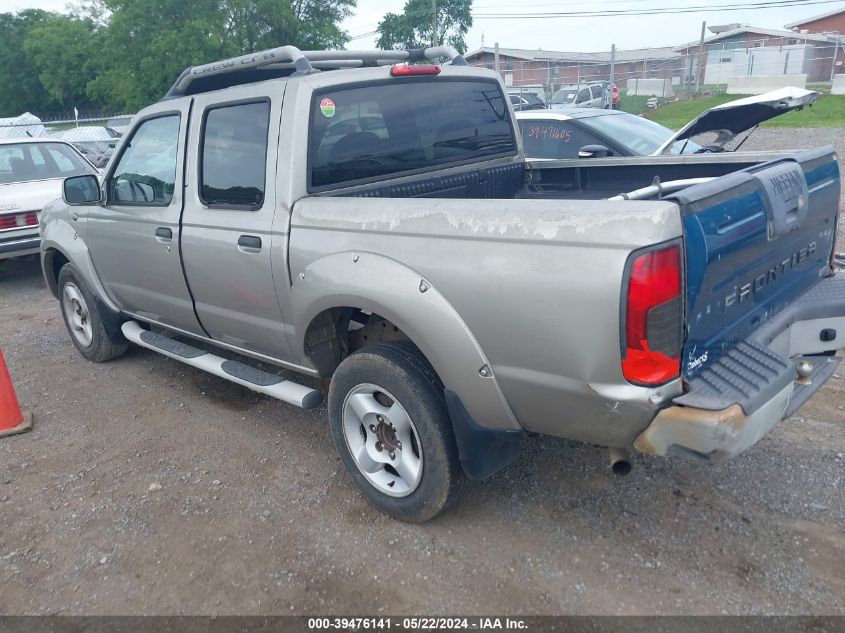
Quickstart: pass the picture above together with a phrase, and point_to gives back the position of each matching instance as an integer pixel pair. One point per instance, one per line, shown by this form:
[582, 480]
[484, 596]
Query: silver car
[580, 96]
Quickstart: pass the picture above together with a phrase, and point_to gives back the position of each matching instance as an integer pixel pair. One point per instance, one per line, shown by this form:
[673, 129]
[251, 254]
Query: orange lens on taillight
[653, 317]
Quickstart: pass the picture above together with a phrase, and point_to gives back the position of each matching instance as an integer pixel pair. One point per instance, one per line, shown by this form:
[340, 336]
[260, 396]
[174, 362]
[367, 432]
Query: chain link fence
[674, 72]
[95, 137]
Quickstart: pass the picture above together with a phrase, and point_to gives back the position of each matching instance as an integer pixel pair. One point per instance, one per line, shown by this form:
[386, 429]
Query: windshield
[21, 162]
[371, 132]
[641, 136]
[565, 96]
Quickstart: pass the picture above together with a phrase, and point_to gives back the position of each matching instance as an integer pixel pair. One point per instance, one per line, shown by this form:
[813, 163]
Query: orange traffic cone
[12, 419]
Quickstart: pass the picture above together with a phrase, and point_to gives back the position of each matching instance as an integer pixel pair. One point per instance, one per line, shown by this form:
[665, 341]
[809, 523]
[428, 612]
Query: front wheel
[82, 319]
[391, 427]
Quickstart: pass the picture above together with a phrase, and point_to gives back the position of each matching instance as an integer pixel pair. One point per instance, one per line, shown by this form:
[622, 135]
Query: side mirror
[80, 190]
[594, 151]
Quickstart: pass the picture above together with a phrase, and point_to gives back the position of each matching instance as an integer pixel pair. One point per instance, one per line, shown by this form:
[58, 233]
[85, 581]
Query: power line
[557, 4]
[651, 11]
[363, 35]
[361, 27]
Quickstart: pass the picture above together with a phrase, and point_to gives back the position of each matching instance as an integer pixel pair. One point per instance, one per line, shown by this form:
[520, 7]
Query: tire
[78, 306]
[372, 434]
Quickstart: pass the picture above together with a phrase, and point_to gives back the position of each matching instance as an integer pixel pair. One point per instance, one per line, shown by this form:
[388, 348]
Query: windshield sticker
[327, 107]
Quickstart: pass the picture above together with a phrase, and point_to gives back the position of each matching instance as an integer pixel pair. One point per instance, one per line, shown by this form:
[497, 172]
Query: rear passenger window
[234, 156]
[596, 91]
[367, 133]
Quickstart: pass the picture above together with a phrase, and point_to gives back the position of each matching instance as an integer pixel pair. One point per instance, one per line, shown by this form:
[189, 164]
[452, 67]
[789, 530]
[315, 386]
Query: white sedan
[32, 171]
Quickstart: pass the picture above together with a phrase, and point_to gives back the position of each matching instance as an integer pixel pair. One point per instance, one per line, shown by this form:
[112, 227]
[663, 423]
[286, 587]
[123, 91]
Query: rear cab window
[365, 133]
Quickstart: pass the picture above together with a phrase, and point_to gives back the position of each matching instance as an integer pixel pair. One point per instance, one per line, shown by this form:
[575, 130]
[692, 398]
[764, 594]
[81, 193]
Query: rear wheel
[82, 319]
[390, 425]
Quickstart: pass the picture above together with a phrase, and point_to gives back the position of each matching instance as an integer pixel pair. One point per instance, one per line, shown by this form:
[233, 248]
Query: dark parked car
[526, 101]
[591, 133]
[96, 143]
[596, 133]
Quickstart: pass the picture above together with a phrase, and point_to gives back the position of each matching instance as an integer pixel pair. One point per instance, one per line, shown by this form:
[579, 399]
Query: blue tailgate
[754, 241]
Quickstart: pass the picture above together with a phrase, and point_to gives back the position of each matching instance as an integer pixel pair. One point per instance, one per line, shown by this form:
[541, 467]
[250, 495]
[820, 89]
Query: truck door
[134, 237]
[229, 244]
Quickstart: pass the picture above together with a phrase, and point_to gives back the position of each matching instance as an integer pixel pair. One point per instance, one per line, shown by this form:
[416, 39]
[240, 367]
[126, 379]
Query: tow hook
[805, 370]
[620, 463]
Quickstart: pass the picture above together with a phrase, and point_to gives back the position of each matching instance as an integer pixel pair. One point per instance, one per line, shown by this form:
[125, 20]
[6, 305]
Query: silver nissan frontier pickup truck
[365, 225]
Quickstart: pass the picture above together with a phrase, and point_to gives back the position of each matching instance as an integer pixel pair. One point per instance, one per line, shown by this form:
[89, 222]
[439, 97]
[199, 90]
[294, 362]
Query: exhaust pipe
[620, 464]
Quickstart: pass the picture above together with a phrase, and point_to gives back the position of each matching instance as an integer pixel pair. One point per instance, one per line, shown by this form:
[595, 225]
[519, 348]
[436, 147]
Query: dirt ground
[256, 515]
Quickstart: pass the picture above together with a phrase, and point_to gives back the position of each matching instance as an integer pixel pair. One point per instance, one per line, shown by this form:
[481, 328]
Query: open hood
[733, 117]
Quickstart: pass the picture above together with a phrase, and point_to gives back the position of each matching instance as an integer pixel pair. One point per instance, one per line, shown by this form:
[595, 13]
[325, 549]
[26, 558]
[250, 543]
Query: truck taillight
[651, 351]
[614, 95]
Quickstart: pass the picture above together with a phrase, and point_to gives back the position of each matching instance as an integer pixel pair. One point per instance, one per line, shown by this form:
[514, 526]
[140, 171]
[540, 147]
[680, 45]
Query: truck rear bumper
[735, 402]
[719, 435]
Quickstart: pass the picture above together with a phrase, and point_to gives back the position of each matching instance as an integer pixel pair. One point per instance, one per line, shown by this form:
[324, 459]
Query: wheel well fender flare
[384, 286]
[59, 238]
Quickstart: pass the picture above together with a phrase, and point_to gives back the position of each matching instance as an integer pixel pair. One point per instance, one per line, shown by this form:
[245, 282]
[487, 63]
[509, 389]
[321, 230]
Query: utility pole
[612, 68]
[434, 22]
[835, 55]
[699, 71]
[496, 57]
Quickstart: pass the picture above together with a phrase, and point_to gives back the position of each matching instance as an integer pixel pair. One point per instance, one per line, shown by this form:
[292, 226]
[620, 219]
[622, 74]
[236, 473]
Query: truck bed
[584, 179]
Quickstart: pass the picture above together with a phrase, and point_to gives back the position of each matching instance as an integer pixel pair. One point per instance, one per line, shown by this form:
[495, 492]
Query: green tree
[309, 24]
[63, 51]
[125, 54]
[22, 90]
[148, 43]
[413, 27]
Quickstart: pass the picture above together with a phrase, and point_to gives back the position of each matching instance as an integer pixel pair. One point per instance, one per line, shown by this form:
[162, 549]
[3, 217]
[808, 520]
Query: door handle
[163, 234]
[249, 243]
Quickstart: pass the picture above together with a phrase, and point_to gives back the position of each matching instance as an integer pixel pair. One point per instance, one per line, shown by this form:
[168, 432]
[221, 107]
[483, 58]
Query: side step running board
[233, 371]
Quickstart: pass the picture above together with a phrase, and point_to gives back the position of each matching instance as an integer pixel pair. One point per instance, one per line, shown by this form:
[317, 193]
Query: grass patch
[633, 104]
[823, 88]
[828, 111]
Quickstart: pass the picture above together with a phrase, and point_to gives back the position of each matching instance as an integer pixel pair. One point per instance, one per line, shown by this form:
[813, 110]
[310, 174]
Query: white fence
[764, 83]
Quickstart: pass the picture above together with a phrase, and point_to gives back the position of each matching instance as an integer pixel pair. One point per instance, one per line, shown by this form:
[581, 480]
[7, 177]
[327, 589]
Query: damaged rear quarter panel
[536, 283]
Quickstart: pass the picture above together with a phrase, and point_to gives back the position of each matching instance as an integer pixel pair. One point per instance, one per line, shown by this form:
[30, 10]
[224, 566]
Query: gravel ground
[255, 514]
[769, 138]
[773, 138]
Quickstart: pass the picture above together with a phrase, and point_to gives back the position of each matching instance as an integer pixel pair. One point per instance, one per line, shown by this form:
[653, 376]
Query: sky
[562, 34]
